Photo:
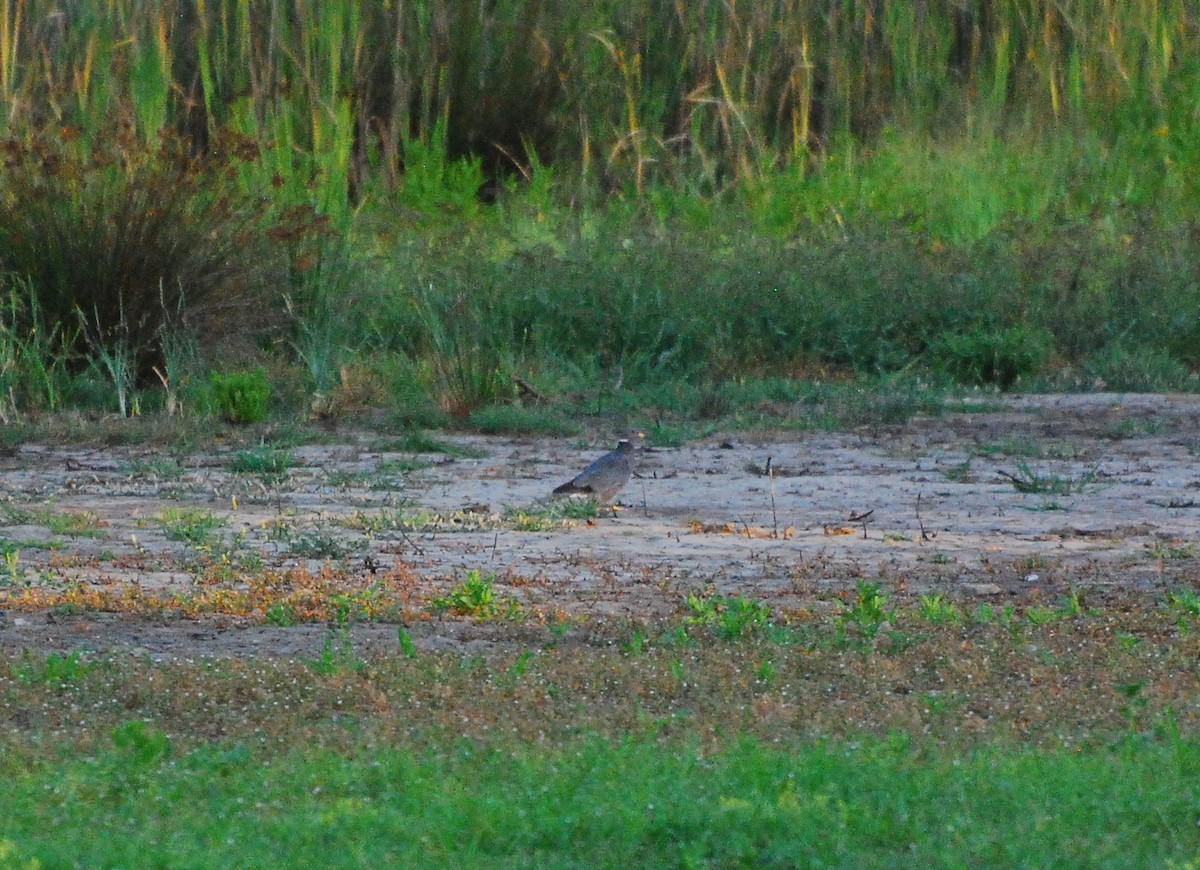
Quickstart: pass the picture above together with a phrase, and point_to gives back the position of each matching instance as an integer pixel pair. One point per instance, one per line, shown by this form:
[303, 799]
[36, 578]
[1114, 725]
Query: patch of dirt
[917, 507]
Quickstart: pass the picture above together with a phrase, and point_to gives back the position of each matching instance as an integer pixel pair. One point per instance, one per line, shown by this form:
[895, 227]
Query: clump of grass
[57, 670]
[417, 441]
[1027, 480]
[936, 608]
[117, 236]
[999, 357]
[520, 420]
[552, 514]
[269, 463]
[241, 396]
[193, 526]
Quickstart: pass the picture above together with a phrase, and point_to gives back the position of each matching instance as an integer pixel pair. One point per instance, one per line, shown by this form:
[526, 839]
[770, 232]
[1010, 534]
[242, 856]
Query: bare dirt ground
[918, 507]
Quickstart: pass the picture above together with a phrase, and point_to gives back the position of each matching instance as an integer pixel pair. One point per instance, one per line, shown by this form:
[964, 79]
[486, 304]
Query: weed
[10, 569]
[518, 420]
[241, 396]
[139, 743]
[281, 614]
[269, 463]
[315, 543]
[76, 524]
[58, 670]
[960, 473]
[552, 514]
[416, 441]
[937, 609]
[160, 468]
[730, 617]
[868, 612]
[1039, 614]
[1027, 480]
[401, 466]
[1136, 703]
[1175, 551]
[1186, 601]
[475, 597]
[193, 526]
[1132, 427]
[940, 558]
[404, 639]
[999, 357]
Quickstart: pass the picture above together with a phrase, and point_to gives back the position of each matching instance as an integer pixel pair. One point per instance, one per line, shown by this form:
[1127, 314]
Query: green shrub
[1137, 369]
[989, 356]
[241, 396]
[132, 239]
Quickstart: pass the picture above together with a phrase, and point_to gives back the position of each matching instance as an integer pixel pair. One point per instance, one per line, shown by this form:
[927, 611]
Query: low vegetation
[494, 217]
[890, 728]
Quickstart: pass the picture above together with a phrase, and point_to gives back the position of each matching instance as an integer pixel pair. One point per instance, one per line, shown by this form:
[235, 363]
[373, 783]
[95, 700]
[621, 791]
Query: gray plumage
[604, 478]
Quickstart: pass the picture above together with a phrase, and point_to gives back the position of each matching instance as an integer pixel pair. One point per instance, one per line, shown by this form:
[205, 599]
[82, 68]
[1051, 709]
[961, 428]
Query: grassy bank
[596, 803]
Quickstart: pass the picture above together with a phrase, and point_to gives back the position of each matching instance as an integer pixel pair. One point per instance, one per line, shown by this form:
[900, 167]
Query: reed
[632, 92]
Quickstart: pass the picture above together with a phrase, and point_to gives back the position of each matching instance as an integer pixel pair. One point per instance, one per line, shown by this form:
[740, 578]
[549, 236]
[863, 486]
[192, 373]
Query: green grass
[591, 802]
[194, 526]
[744, 218]
[1024, 736]
[269, 463]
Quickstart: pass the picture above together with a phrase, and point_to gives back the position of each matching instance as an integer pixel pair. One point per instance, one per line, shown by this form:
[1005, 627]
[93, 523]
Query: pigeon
[603, 479]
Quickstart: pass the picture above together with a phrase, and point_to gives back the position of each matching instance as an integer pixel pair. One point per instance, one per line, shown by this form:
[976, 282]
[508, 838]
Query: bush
[989, 356]
[241, 396]
[135, 242]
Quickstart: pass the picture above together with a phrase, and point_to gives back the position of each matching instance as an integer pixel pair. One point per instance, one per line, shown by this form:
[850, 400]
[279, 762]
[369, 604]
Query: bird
[603, 479]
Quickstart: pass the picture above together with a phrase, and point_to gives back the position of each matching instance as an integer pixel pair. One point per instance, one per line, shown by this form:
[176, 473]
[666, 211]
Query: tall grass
[625, 92]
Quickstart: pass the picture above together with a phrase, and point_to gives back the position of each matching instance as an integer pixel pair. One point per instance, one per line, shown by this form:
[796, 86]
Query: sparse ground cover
[885, 733]
[863, 606]
[776, 653]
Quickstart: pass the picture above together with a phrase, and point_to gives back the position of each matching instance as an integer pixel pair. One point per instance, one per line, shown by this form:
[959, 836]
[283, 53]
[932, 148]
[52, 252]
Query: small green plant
[936, 608]
[139, 743]
[474, 596]
[1029, 481]
[960, 473]
[58, 670]
[730, 617]
[269, 463]
[75, 524]
[417, 441]
[164, 468]
[281, 614]
[406, 642]
[316, 543]
[241, 396]
[869, 610]
[552, 514]
[1040, 614]
[1135, 705]
[501, 419]
[1186, 601]
[10, 570]
[193, 526]
[1163, 550]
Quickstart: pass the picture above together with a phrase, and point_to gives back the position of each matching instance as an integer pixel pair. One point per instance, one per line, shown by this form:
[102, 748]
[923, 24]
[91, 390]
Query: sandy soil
[916, 507]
